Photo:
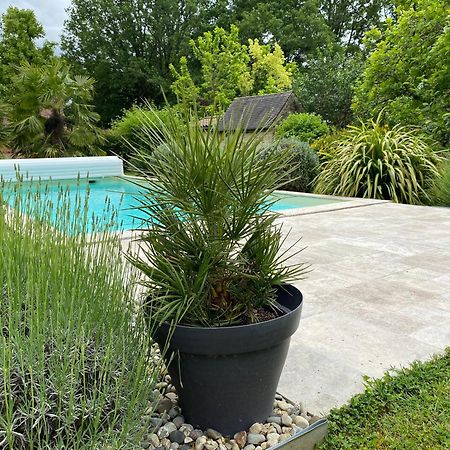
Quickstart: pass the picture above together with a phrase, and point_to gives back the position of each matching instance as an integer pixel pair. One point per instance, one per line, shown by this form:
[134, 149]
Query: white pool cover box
[60, 168]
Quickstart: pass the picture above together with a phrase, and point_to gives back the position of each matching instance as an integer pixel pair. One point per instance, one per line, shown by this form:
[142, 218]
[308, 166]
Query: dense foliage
[19, 33]
[304, 160]
[325, 85]
[128, 46]
[408, 74]
[304, 126]
[230, 69]
[127, 132]
[74, 354]
[49, 113]
[407, 408]
[374, 161]
[302, 27]
[349, 20]
[212, 240]
[326, 145]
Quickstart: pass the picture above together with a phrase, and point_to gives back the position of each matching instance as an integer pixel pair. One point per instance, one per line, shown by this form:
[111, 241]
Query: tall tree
[407, 76]
[128, 46]
[19, 33]
[349, 20]
[325, 85]
[296, 25]
[229, 68]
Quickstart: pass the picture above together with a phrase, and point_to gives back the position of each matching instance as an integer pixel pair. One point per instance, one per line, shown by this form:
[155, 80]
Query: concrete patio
[378, 296]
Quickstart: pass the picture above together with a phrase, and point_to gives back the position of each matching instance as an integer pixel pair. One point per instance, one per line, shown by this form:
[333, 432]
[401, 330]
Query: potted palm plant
[216, 270]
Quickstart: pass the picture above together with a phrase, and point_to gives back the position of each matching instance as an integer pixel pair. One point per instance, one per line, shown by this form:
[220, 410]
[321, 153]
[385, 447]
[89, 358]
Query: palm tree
[50, 113]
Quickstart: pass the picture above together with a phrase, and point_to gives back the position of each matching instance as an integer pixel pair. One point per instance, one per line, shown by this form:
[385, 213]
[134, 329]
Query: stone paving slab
[378, 296]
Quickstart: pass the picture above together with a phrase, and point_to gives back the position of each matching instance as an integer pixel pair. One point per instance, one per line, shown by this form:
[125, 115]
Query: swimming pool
[123, 194]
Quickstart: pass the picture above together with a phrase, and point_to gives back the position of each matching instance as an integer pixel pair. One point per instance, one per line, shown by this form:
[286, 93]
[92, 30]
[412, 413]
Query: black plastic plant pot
[226, 378]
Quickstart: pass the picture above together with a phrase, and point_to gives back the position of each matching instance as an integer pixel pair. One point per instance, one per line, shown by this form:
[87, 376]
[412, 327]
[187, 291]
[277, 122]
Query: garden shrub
[305, 126]
[73, 347]
[126, 134]
[325, 146]
[372, 160]
[303, 157]
[442, 187]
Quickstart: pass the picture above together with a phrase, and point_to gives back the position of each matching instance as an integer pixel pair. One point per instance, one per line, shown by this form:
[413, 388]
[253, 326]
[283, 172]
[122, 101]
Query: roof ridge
[263, 95]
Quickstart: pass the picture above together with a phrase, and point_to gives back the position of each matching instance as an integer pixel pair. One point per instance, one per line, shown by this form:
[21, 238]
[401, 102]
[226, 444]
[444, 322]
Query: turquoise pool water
[123, 194]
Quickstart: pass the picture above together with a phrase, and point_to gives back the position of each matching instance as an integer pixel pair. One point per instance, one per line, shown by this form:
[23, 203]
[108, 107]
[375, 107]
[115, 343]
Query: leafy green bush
[371, 160]
[211, 237]
[73, 347]
[127, 132]
[305, 126]
[442, 187]
[304, 160]
[406, 409]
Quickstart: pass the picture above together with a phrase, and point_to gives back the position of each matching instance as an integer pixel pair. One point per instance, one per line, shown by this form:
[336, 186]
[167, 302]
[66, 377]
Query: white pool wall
[60, 168]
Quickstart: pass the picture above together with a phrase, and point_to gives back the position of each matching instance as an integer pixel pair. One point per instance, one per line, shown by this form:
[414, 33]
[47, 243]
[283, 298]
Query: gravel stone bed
[169, 431]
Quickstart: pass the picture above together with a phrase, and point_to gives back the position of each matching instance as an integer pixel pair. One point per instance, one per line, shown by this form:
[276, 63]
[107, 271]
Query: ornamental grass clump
[441, 191]
[374, 161]
[212, 252]
[74, 351]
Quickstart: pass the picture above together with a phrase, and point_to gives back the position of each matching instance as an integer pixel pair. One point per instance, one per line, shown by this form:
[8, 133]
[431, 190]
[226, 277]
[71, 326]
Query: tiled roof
[256, 112]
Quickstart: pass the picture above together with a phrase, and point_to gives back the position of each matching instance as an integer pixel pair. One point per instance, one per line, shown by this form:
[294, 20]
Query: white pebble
[154, 439]
[286, 420]
[200, 442]
[255, 439]
[283, 405]
[211, 445]
[272, 439]
[301, 422]
[256, 428]
[234, 445]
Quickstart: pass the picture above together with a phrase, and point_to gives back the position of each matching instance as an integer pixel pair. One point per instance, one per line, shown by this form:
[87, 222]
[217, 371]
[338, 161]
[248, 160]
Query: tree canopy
[408, 74]
[302, 27]
[128, 46]
[349, 20]
[229, 69]
[296, 25]
[19, 32]
[325, 85]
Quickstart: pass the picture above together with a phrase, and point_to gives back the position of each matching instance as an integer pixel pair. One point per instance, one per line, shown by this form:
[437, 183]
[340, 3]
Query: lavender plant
[75, 369]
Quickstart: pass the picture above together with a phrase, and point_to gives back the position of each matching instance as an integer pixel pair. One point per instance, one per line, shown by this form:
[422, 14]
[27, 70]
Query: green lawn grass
[406, 409]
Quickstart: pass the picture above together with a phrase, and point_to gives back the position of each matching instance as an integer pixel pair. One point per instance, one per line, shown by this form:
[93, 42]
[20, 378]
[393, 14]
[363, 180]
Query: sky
[50, 13]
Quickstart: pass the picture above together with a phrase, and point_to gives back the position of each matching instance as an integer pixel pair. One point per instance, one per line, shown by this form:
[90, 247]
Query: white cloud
[51, 13]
